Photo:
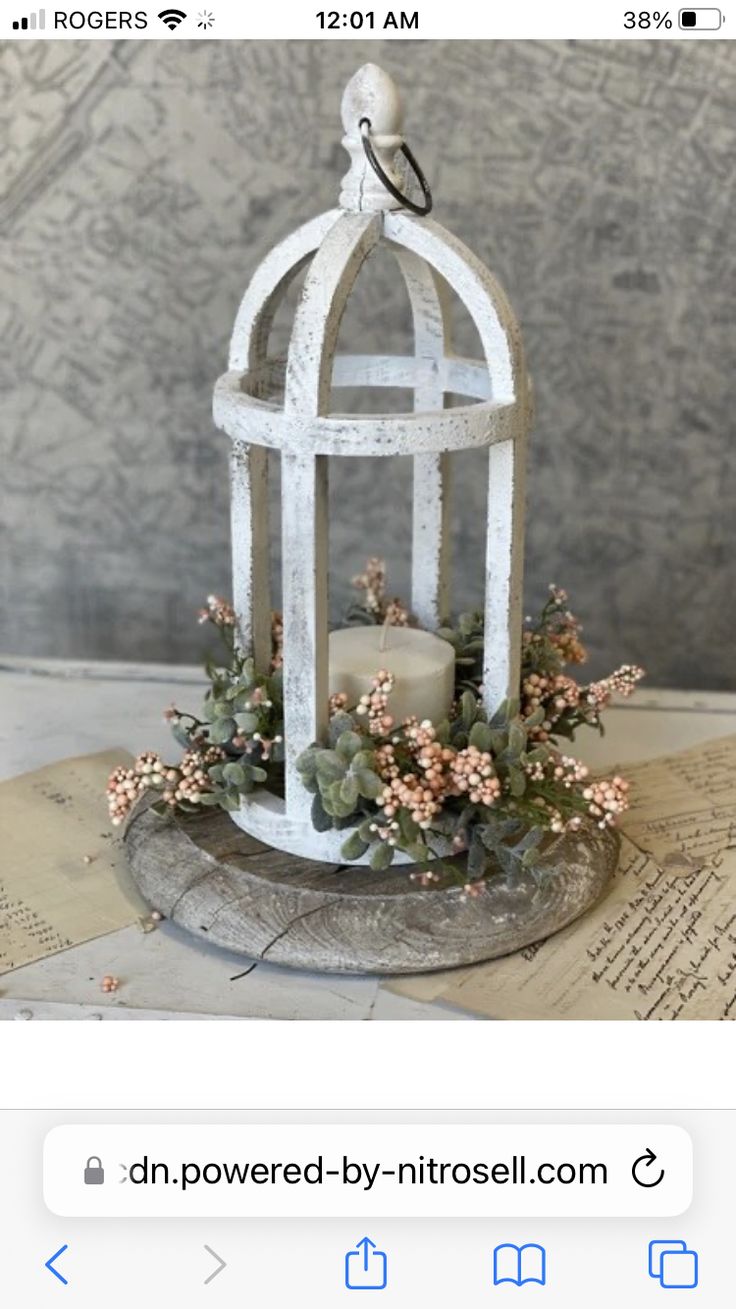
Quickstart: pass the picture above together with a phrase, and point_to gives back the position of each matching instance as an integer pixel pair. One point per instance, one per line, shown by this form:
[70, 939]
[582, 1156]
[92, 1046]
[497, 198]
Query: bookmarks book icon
[519, 1264]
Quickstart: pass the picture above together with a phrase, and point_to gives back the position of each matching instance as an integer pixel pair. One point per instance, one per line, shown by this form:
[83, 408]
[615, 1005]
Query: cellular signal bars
[32, 23]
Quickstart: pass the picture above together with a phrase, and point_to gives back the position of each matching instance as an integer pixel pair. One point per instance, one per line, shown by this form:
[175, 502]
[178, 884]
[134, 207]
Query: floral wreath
[496, 788]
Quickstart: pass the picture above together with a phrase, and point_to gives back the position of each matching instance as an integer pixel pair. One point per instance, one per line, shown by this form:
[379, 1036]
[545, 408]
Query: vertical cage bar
[304, 500]
[304, 489]
[504, 571]
[430, 554]
[430, 545]
[249, 534]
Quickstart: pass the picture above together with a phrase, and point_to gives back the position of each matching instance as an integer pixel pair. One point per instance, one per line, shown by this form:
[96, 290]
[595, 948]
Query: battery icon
[700, 20]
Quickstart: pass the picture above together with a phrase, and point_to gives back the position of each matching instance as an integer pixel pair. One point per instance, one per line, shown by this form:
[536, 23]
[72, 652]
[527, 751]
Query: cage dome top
[288, 403]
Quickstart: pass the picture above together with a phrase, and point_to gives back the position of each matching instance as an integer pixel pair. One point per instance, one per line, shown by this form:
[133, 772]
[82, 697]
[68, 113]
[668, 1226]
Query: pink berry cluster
[554, 694]
[374, 704]
[421, 794]
[559, 695]
[561, 768]
[435, 773]
[372, 583]
[385, 762]
[471, 890]
[621, 682]
[337, 702]
[397, 614]
[473, 774]
[217, 611]
[410, 792]
[424, 877]
[607, 799]
[258, 699]
[603, 800]
[430, 756]
[184, 783]
[564, 704]
[560, 629]
[565, 629]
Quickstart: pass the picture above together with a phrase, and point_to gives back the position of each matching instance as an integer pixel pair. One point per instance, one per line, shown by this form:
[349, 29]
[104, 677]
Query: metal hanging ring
[370, 154]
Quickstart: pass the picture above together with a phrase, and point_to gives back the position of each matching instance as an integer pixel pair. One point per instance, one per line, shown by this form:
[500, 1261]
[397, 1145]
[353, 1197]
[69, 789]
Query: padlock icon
[94, 1173]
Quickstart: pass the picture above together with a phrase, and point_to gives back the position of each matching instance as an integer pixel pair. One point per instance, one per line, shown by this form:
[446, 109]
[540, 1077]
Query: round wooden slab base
[224, 886]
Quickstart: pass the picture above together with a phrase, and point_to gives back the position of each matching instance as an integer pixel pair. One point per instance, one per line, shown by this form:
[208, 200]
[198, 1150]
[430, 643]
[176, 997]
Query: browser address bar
[366, 1170]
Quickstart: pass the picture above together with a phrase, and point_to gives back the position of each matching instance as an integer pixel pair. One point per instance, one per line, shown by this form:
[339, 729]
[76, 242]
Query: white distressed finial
[371, 94]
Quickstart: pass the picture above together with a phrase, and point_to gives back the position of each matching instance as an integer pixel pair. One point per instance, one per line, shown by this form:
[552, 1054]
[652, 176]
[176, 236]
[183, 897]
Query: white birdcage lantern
[267, 403]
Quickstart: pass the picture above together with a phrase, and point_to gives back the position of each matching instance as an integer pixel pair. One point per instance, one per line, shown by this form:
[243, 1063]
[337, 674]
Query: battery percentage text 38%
[645, 19]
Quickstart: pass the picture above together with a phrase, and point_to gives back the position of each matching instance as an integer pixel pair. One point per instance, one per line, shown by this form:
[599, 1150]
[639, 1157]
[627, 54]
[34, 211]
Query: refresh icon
[643, 1172]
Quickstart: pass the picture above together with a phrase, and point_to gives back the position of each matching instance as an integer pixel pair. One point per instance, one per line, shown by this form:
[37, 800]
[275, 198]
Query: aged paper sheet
[50, 897]
[662, 942]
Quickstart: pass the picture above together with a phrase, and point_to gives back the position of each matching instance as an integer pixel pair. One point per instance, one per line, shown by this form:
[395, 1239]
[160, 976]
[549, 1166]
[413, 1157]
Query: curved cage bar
[280, 404]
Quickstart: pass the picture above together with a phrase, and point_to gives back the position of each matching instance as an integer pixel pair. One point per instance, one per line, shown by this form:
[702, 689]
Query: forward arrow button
[220, 1265]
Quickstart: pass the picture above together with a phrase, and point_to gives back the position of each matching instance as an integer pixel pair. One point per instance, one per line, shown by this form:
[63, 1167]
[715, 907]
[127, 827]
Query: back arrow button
[221, 1264]
[50, 1264]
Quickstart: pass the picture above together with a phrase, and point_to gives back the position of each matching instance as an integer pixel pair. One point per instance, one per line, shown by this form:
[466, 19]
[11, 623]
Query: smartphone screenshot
[367, 693]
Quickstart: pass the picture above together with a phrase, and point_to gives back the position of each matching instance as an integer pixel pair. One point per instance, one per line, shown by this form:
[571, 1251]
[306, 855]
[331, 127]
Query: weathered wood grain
[304, 552]
[464, 377]
[227, 888]
[249, 542]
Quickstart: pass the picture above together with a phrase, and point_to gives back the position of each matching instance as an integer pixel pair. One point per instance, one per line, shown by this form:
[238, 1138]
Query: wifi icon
[172, 17]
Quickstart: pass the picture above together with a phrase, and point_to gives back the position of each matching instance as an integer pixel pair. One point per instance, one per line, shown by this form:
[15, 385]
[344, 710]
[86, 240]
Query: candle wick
[384, 634]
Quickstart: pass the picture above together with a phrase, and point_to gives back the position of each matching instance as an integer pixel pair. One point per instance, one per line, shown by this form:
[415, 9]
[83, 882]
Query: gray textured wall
[141, 184]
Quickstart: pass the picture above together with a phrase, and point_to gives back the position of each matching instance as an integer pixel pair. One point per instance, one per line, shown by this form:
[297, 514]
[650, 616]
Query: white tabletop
[50, 710]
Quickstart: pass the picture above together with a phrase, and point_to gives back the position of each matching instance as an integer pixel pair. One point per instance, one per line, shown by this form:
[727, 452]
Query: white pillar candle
[422, 664]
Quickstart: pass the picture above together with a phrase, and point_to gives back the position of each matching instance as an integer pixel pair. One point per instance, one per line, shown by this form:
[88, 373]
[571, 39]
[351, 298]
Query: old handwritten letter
[50, 897]
[662, 942]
